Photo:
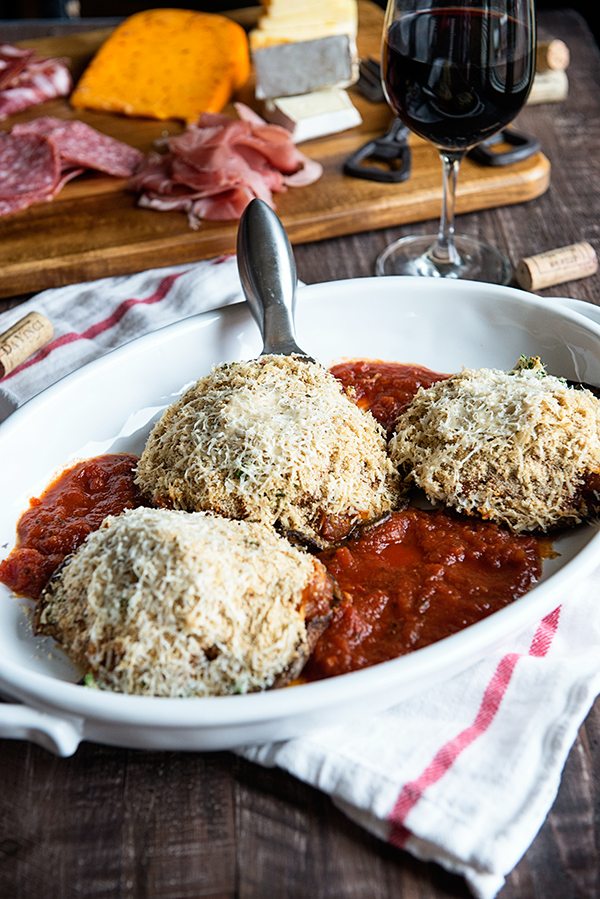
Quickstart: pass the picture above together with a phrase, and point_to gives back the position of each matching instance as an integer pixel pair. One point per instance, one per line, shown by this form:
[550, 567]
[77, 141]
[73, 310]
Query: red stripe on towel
[544, 635]
[99, 327]
[443, 760]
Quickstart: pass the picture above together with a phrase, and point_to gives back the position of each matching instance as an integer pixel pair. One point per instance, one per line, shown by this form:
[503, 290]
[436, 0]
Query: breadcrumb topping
[171, 603]
[274, 440]
[516, 447]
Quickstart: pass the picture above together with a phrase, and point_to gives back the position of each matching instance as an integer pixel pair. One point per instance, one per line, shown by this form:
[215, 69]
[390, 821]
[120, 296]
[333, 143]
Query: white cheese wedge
[313, 115]
[289, 29]
[275, 8]
[292, 22]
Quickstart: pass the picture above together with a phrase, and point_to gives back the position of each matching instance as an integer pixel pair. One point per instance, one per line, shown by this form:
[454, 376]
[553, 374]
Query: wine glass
[455, 72]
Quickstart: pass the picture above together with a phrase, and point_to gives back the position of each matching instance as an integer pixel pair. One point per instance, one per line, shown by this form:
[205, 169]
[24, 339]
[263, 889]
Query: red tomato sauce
[59, 520]
[415, 578]
[386, 388]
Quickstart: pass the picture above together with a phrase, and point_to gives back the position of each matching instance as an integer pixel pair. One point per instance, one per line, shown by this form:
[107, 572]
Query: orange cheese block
[166, 64]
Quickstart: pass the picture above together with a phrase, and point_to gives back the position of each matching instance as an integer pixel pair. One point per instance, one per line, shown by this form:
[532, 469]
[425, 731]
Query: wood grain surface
[114, 823]
[93, 227]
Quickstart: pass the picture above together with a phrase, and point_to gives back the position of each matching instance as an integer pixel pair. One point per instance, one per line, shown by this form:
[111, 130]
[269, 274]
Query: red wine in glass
[455, 73]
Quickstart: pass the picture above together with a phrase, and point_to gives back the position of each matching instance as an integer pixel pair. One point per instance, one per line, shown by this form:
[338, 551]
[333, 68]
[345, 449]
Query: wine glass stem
[444, 251]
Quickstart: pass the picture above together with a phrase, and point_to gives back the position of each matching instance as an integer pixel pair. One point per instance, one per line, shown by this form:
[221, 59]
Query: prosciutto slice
[216, 167]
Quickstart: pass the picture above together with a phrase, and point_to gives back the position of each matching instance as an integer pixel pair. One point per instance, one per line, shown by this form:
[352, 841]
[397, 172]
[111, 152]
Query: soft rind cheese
[172, 603]
[274, 440]
[313, 115]
[516, 448]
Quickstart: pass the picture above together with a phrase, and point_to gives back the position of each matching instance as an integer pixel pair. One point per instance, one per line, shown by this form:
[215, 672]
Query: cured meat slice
[44, 124]
[29, 167]
[207, 134]
[223, 170]
[81, 145]
[37, 159]
[38, 81]
[248, 115]
[12, 61]
[155, 176]
[227, 205]
[165, 204]
[273, 178]
[220, 206]
[276, 145]
[213, 169]
[15, 205]
[66, 176]
[310, 171]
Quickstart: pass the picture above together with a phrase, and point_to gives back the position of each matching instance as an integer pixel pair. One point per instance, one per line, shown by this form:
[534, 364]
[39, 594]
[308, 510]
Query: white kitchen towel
[463, 774]
[92, 318]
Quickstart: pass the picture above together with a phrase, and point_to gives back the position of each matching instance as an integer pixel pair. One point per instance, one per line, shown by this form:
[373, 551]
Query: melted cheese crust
[274, 440]
[515, 447]
[172, 603]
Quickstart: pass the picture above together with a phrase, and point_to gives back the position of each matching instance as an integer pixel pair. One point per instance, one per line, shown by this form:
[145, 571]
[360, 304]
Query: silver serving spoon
[268, 274]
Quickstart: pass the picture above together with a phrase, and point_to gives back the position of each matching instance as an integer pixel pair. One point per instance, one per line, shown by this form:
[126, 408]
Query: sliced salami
[81, 145]
[29, 167]
[37, 159]
[67, 175]
[38, 81]
[12, 62]
[15, 205]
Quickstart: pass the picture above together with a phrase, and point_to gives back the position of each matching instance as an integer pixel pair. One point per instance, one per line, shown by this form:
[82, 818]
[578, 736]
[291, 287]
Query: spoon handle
[268, 275]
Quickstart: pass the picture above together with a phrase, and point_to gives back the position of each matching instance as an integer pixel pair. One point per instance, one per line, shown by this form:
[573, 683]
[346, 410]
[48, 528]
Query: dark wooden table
[109, 823]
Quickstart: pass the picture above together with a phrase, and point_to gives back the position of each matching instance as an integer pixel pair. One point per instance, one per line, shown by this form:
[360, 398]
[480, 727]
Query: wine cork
[22, 340]
[549, 87]
[570, 263]
[552, 55]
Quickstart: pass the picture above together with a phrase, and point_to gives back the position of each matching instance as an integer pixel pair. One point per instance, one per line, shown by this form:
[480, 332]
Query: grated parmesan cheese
[517, 448]
[274, 440]
[171, 603]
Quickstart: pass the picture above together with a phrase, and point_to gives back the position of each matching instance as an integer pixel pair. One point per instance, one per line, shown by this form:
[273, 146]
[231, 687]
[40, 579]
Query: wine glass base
[414, 256]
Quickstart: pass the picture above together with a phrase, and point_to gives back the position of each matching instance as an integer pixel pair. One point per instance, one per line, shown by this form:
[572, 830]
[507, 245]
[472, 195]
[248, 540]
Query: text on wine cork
[22, 340]
[570, 263]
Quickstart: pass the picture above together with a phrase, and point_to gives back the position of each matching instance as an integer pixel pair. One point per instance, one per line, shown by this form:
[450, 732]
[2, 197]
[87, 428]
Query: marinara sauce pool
[385, 388]
[57, 522]
[414, 578]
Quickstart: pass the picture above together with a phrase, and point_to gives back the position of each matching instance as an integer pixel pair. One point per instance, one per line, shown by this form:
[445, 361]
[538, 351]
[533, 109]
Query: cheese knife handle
[268, 274]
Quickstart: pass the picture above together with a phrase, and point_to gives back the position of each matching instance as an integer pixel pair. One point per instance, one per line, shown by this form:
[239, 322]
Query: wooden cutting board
[93, 228]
